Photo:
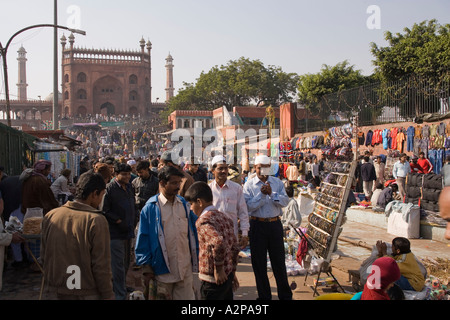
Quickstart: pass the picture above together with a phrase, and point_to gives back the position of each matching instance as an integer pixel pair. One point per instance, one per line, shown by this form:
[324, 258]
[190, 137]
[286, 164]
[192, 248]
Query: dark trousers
[120, 261]
[268, 237]
[212, 291]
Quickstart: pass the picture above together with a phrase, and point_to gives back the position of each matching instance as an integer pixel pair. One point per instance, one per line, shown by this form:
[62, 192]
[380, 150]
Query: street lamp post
[4, 50]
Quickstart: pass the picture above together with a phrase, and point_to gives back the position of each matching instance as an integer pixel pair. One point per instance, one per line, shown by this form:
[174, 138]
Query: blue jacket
[150, 244]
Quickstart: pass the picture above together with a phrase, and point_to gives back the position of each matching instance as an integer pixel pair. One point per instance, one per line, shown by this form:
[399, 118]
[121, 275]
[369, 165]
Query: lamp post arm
[40, 26]
[4, 50]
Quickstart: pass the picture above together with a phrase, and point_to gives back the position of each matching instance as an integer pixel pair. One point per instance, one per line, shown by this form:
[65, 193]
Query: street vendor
[36, 190]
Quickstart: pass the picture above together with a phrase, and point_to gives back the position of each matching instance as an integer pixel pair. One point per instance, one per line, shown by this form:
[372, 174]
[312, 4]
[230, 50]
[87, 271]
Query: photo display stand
[325, 222]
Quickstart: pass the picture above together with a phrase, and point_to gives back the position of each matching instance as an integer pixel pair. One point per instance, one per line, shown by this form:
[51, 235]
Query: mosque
[94, 81]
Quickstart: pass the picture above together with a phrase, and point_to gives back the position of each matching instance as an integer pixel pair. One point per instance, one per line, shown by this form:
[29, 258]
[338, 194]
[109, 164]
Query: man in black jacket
[120, 211]
[145, 185]
[368, 176]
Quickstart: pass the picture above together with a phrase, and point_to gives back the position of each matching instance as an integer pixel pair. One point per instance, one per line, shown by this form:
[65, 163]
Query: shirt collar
[164, 200]
[258, 180]
[209, 208]
[224, 185]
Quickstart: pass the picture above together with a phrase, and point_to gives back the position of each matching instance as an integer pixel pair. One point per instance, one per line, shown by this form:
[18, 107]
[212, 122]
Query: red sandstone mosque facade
[95, 81]
[109, 82]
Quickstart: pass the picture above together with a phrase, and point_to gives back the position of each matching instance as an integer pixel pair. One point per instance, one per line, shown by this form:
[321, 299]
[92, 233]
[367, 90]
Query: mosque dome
[50, 97]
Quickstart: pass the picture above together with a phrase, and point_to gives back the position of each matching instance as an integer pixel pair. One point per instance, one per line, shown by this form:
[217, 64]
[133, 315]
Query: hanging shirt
[400, 138]
[394, 132]
[410, 132]
[385, 134]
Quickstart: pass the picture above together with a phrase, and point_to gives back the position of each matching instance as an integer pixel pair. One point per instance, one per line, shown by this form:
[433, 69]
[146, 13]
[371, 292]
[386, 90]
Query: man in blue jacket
[167, 243]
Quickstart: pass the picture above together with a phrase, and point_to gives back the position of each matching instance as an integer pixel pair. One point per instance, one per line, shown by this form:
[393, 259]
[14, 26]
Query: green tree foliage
[423, 50]
[241, 82]
[331, 79]
[414, 68]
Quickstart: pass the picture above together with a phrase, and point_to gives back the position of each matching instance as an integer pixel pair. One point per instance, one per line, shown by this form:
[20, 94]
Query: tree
[241, 82]
[423, 50]
[415, 65]
[331, 79]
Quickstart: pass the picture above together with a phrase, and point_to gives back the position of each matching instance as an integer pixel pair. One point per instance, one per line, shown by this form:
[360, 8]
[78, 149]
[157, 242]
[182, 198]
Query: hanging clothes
[394, 132]
[410, 133]
[385, 135]
[400, 139]
[369, 138]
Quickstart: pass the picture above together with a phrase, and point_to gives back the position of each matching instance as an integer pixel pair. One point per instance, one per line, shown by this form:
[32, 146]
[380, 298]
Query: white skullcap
[218, 159]
[131, 162]
[262, 159]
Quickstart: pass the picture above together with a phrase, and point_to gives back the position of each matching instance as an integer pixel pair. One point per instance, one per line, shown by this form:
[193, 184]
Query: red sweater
[425, 164]
[217, 244]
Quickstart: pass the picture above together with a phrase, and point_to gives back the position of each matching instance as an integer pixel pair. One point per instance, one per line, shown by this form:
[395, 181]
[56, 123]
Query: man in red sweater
[415, 167]
[218, 246]
[424, 163]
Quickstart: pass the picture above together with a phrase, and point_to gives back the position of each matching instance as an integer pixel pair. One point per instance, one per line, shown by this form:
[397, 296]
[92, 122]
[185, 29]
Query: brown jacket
[77, 235]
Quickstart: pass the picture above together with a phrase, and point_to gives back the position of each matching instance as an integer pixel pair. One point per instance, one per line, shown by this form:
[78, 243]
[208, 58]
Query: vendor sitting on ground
[388, 194]
[411, 275]
[376, 194]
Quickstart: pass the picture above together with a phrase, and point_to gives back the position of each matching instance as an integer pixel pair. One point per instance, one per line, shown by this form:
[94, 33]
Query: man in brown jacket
[76, 245]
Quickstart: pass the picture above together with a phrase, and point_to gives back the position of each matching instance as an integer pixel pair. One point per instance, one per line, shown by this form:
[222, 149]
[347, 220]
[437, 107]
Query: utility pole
[55, 67]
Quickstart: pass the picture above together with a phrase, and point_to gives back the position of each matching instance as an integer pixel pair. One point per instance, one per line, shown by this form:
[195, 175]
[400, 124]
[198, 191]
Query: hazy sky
[298, 36]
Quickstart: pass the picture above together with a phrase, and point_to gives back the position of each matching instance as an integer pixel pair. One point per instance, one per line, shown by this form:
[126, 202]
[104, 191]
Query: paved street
[22, 284]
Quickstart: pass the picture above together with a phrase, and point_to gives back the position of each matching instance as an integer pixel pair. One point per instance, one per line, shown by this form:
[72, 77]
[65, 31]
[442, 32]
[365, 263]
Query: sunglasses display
[323, 224]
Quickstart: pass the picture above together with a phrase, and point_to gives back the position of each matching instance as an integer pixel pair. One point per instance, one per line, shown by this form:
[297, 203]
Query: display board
[325, 222]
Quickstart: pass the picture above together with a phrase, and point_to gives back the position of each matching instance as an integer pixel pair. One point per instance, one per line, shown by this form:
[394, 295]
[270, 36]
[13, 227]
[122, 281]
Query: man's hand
[16, 238]
[382, 248]
[244, 241]
[219, 275]
[235, 283]
[266, 189]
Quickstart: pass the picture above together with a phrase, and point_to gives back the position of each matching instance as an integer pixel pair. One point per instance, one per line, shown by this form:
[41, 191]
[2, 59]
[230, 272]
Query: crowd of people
[173, 220]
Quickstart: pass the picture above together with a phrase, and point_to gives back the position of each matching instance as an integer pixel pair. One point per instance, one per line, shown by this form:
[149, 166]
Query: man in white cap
[265, 195]
[132, 163]
[228, 197]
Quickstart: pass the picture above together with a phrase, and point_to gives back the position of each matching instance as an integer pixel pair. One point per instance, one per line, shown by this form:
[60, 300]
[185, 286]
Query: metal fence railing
[382, 102]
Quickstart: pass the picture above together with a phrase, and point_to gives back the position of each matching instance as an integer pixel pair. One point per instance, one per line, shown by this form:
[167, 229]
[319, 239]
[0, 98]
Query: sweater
[409, 268]
[76, 234]
[217, 244]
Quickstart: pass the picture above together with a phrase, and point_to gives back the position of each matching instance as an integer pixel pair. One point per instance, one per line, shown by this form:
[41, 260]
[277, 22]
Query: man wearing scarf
[36, 190]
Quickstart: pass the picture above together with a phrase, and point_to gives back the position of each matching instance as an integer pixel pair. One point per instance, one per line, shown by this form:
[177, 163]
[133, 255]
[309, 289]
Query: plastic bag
[13, 225]
[32, 221]
[315, 266]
